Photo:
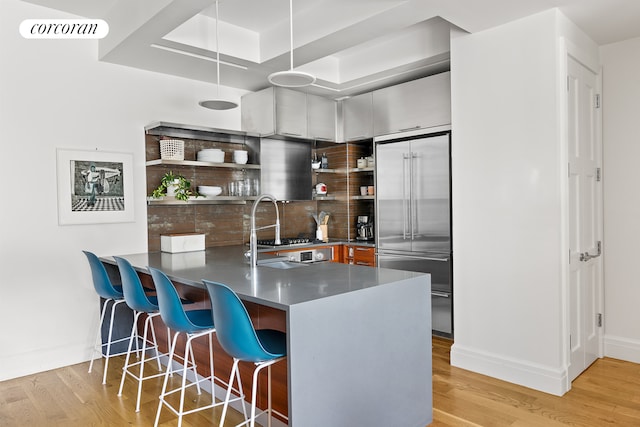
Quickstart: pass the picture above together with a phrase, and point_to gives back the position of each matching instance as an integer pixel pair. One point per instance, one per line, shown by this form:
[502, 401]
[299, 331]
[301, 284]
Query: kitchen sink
[283, 265]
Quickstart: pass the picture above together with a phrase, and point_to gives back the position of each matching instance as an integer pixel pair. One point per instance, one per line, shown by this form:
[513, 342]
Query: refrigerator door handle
[446, 259]
[406, 210]
[412, 204]
[440, 294]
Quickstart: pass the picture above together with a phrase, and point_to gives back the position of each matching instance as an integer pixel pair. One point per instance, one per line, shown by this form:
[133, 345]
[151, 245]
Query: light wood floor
[607, 394]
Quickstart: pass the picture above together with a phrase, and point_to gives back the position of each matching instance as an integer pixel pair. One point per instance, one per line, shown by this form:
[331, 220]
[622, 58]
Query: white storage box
[184, 242]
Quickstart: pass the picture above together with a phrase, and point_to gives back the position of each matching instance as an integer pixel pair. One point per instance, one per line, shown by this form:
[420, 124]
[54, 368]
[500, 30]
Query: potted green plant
[174, 185]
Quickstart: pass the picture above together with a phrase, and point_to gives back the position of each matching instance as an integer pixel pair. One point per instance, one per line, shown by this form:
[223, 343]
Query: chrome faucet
[253, 239]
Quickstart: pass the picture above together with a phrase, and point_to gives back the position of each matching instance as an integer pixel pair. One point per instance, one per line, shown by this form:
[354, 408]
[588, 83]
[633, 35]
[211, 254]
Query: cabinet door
[291, 113]
[358, 117]
[364, 255]
[417, 104]
[321, 118]
[258, 112]
[359, 255]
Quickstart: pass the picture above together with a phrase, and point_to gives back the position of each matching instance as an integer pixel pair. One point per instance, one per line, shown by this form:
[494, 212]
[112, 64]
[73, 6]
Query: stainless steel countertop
[269, 286]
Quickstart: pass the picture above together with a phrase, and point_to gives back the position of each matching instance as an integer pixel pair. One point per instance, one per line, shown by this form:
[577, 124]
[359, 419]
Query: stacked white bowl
[240, 156]
[213, 155]
[209, 190]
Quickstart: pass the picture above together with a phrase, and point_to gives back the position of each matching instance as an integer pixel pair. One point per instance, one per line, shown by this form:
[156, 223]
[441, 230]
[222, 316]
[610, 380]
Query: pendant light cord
[217, 53]
[291, 30]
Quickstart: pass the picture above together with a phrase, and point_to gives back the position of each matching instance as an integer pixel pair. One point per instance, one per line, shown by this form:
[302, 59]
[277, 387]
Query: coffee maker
[364, 228]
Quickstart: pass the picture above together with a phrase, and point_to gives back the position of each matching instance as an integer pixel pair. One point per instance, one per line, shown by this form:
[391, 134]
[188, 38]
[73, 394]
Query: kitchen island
[358, 338]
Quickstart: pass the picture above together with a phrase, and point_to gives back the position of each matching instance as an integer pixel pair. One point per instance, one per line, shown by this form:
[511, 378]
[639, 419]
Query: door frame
[568, 49]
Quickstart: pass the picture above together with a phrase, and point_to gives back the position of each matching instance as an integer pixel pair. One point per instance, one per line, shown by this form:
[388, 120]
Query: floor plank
[608, 393]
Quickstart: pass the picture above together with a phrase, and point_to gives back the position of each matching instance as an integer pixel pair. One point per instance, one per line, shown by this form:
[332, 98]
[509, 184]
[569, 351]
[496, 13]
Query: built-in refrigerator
[413, 213]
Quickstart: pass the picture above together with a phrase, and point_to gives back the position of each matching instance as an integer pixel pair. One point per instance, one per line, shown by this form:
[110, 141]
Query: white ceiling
[352, 46]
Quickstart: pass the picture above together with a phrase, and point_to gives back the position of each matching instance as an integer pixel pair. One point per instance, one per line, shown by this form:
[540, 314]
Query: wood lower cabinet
[359, 255]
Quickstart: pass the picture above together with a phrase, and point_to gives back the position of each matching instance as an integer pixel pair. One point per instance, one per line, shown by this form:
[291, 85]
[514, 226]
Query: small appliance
[364, 228]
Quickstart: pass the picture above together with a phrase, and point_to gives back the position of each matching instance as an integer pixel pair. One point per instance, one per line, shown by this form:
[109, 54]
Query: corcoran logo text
[64, 28]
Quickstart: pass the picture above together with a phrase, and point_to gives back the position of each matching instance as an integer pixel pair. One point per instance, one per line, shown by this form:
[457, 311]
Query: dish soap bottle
[324, 162]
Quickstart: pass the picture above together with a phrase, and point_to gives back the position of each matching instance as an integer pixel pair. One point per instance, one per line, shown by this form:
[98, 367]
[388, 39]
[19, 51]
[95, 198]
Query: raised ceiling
[351, 46]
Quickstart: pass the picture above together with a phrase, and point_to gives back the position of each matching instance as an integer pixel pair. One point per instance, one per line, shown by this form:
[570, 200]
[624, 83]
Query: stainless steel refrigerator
[413, 213]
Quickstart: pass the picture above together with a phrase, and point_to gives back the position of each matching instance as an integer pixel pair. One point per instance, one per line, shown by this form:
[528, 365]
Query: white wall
[621, 175]
[55, 94]
[509, 306]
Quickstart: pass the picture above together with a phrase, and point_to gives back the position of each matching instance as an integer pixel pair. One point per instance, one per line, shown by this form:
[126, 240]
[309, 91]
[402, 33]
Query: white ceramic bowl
[209, 191]
[240, 161]
[240, 156]
[213, 156]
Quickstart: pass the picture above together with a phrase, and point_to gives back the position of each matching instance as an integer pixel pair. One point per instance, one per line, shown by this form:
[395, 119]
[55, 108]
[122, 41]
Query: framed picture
[94, 187]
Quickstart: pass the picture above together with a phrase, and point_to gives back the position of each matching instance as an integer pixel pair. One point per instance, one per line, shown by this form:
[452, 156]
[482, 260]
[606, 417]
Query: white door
[585, 218]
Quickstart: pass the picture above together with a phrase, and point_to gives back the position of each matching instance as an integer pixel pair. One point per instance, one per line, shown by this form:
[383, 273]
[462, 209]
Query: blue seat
[193, 324]
[239, 339]
[111, 294]
[139, 302]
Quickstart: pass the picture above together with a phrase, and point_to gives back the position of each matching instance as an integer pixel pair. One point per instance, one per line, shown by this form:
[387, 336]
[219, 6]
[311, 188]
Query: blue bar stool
[139, 302]
[240, 340]
[192, 323]
[111, 294]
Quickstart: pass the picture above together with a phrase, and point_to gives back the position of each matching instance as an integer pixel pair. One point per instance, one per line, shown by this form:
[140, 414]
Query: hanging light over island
[218, 103]
[291, 77]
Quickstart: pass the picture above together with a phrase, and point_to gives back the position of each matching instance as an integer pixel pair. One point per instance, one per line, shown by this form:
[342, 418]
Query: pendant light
[291, 78]
[218, 103]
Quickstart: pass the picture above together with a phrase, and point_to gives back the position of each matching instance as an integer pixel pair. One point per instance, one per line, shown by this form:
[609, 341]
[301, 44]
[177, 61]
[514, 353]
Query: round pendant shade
[218, 104]
[291, 78]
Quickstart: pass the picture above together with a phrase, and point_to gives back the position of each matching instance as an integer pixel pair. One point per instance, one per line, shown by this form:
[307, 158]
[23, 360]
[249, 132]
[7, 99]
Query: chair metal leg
[134, 335]
[155, 340]
[166, 378]
[142, 361]
[269, 395]
[234, 369]
[185, 366]
[254, 392]
[108, 354]
[98, 343]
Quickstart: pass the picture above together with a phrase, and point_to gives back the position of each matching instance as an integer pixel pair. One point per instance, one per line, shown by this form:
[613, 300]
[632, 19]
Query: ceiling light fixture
[291, 78]
[218, 104]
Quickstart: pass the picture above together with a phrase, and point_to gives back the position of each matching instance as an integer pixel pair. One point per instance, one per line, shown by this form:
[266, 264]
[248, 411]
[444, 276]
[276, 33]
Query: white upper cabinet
[417, 104]
[357, 113]
[321, 118]
[286, 112]
[291, 113]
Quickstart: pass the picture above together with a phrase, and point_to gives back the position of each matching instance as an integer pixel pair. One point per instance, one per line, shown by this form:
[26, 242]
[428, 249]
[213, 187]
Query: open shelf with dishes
[207, 157]
[199, 163]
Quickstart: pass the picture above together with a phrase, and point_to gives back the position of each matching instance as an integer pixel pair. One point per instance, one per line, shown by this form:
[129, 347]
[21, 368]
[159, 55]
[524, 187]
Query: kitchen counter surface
[358, 338]
[278, 288]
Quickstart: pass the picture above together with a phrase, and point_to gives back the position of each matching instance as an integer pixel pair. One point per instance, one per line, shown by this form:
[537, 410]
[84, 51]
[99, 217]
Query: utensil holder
[325, 232]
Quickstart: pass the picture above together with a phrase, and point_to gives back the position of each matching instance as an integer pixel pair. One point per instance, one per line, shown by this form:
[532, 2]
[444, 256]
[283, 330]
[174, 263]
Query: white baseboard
[622, 348]
[20, 365]
[537, 377]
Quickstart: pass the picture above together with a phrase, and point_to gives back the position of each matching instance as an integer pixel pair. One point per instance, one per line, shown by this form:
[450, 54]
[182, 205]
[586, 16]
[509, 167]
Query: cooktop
[286, 241]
